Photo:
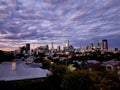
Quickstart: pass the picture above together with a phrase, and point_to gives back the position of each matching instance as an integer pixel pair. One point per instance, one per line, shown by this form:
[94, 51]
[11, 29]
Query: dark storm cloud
[43, 21]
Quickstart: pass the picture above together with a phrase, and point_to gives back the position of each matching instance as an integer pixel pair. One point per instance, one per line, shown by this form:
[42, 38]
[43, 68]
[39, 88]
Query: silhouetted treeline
[6, 56]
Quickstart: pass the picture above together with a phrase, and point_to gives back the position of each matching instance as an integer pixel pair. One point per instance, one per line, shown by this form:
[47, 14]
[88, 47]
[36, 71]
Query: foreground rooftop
[22, 71]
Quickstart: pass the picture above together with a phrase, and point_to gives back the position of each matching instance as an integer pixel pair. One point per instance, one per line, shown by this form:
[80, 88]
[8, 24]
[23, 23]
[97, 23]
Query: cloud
[43, 21]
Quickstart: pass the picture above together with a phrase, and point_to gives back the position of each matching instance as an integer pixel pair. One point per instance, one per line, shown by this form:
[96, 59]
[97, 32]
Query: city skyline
[40, 22]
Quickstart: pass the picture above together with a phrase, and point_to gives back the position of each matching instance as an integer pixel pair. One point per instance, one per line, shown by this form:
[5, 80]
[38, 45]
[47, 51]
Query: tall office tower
[67, 44]
[28, 48]
[98, 44]
[22, 50]
[105, 44]
[52, 46]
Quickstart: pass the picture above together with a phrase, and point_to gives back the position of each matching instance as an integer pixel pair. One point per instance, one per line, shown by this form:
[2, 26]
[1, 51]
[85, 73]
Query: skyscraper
[98, 45]
[52, 46]
[67, 44]
[91, 46]
[28, 48]
[105, 44]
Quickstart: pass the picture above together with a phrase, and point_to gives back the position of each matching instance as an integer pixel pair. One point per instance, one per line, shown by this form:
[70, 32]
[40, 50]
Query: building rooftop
[22, 71]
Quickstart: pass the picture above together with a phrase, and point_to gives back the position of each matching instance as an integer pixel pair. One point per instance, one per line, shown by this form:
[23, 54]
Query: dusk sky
[40, 22]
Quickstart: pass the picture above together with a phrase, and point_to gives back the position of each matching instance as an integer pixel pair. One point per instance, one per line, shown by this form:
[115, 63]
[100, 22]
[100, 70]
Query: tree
[53, 82]
[81, 80]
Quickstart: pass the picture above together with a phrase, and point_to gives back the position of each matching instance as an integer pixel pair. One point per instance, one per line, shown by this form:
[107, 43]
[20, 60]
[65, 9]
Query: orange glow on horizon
[7, 49]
